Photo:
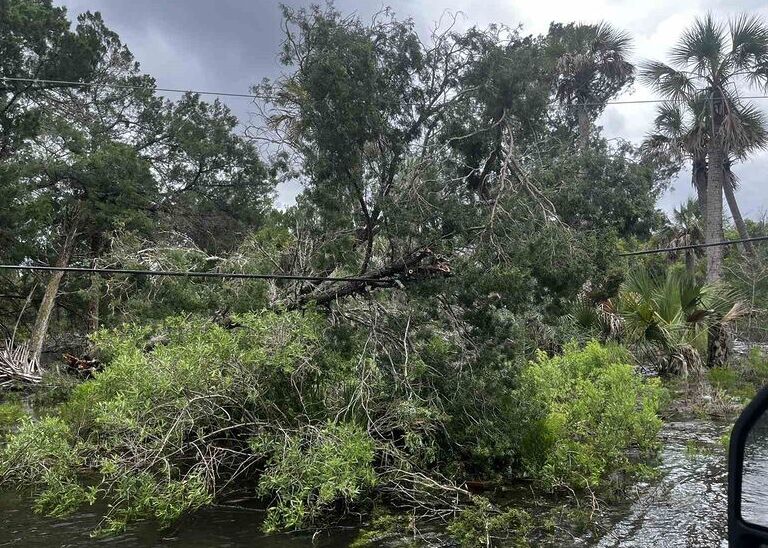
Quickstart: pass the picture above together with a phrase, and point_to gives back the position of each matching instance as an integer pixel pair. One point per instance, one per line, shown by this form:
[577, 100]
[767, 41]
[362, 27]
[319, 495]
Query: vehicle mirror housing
[748, 476]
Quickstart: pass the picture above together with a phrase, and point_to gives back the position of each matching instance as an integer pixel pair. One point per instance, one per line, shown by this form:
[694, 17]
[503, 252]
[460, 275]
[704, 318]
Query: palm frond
[672, 84]
[723, 302]
[749, 41]
[609, 38]
[701, 46]
[752, 134]
[758, 76]
[670, 119]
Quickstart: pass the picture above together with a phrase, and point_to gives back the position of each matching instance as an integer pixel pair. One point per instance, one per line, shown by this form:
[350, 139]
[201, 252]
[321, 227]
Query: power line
[192, 274]
[254, 96]
[128, 86]
[693, 246]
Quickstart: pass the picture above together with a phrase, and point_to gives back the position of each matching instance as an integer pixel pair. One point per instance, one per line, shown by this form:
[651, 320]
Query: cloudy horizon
[229, 45]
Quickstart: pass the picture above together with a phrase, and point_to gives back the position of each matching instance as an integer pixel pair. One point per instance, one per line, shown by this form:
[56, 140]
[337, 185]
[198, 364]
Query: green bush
[586, 408]
[306, 474]
[481, 524]
[42, 456]
[176, 413]
[10, 414]
[307, 417]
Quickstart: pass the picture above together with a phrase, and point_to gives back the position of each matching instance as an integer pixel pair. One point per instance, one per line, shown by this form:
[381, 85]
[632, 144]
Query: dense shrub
[308, 473]
[586, 408]
[42, 457]
[186, 408]
[315, 418]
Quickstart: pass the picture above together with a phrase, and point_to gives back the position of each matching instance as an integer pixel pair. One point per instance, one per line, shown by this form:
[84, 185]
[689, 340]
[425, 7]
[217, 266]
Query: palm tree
[682, 135]
[591, 67]
[709, 64]
[674, 317]
[682, 131]
[686, 230]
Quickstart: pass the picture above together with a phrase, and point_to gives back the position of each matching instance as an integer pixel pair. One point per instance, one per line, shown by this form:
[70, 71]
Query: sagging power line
[194, 274]
[693, 246]
[256, 96]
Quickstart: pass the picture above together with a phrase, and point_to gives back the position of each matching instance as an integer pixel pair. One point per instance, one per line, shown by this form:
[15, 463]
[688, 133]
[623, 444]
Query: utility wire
[186, 274]
[692, 246]
[254, 96]
[128, 86]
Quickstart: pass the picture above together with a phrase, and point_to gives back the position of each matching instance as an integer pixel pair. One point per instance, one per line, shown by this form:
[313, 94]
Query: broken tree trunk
[40, 329]
[409, 267]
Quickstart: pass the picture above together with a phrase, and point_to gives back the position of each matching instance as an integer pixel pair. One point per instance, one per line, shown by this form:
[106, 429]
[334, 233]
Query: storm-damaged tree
[355, 119]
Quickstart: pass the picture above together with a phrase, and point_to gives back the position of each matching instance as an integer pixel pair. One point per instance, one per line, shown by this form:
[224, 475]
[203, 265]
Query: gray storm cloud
[228, 45]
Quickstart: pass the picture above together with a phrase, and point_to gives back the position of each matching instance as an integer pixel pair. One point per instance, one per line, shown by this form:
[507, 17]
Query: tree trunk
[584, 126]
[713, 231]
[738, 220]
[699, 180]
[718, 345]
[40, 329]
[95, 290]
[690, 262]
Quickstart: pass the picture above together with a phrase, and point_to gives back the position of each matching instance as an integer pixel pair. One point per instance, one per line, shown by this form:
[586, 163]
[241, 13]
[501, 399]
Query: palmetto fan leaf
[749, 41]
[701, 47]
[674, 313]
[748, 131]
[673, 84]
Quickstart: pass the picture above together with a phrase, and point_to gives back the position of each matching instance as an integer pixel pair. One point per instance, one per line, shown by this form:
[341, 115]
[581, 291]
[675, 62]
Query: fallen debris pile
[17, 365]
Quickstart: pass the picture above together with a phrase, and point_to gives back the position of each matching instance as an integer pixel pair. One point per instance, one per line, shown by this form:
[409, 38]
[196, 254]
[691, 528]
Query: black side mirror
[748, 476]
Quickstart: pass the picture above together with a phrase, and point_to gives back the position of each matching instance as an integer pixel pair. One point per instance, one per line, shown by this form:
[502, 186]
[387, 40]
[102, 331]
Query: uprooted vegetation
[302, 415]
[440, 313]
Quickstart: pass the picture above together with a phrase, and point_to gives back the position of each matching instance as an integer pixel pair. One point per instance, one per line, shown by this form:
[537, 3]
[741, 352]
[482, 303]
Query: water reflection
[218, 526]
[688, 505]
[754, 490]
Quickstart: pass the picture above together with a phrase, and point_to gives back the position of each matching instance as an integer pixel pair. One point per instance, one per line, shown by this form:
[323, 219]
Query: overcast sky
[228, 45]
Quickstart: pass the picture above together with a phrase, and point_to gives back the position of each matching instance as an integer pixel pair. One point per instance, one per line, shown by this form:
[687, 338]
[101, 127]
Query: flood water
[684, 507]
[687, 506]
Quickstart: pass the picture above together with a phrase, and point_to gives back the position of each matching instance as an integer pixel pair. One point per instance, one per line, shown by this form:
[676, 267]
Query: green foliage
[42, 456]
[586, 408]
[306, 474]
[198, 384]
[482, 524]
[673, 315]
[441, 166]
[722, 377]
[10, 414]
[144, 496]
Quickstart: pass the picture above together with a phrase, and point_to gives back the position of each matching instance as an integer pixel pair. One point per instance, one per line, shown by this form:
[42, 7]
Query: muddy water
[214, 527]
[687, 505]
[684, 507]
